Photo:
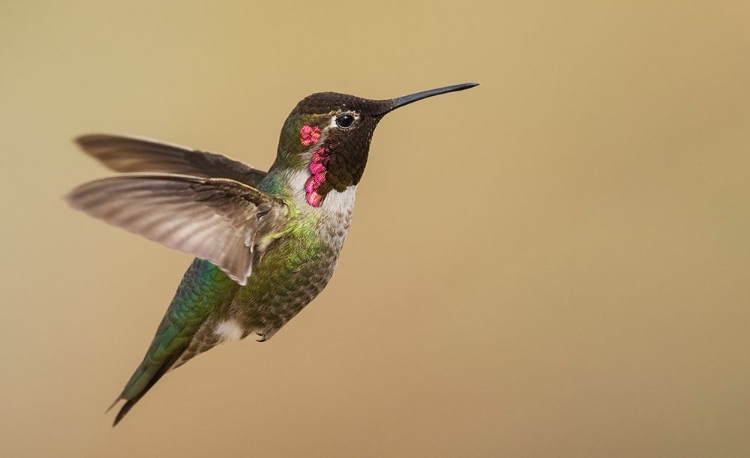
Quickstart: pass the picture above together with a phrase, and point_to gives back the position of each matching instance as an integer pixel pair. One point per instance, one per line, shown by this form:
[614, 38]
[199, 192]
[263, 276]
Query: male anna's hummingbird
[266, 243]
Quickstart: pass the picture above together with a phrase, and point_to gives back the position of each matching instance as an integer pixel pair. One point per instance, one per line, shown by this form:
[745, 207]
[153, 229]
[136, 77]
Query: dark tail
[181, 334]
[129, 403]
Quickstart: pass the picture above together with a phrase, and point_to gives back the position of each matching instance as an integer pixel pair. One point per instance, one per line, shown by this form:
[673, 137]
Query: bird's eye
[344, 120]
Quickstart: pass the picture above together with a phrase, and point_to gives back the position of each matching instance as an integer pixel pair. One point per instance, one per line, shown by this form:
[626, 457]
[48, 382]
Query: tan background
[555, 263]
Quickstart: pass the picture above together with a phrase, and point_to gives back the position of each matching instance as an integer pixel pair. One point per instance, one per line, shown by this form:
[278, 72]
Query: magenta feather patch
[309, 135]
[318, 172]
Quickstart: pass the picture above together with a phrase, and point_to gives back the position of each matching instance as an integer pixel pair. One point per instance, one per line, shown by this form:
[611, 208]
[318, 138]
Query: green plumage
[203, 293]
[266, 243]
[284, 280]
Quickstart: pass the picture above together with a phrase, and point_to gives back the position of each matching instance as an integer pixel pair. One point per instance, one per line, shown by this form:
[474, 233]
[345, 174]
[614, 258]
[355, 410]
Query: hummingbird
[266, 243]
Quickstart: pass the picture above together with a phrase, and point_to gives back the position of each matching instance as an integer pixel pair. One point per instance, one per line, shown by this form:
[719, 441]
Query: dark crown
[326, 102]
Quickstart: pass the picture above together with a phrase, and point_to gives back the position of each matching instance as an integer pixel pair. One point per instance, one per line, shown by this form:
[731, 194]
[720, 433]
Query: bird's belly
[291, 274]
[285, 280]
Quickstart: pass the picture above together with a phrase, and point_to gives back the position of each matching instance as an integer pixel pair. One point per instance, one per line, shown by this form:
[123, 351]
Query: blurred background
[555, 263]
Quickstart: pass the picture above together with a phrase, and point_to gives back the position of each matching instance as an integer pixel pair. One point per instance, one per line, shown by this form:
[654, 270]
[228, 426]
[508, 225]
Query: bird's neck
[292, 186]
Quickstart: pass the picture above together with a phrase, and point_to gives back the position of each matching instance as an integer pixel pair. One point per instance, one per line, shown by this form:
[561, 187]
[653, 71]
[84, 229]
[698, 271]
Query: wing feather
[135, 154]
[216, 219]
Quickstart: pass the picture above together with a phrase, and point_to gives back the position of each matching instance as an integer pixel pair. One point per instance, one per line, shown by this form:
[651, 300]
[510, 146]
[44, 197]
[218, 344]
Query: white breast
[340, 203]
[335, 212]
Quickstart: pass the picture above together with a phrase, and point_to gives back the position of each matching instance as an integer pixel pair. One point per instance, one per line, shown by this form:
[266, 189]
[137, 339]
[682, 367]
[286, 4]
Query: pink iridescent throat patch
[318, 172]
[318, 166]
[309, 135]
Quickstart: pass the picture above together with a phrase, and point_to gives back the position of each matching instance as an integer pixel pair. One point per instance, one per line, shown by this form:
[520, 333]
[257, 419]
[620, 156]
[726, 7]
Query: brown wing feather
[216, 219]
[133, 154]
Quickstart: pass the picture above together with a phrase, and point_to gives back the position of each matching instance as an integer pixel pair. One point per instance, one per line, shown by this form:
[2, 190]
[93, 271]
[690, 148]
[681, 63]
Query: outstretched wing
[134, 154]
[216, 219]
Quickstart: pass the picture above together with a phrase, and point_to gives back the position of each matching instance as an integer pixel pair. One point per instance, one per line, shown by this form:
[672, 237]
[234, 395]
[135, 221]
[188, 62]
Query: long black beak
[407, 99]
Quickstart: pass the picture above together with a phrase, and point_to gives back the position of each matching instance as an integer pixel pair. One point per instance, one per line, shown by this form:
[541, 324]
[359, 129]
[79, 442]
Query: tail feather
[119, 398]
[185, 330]
[129, 403]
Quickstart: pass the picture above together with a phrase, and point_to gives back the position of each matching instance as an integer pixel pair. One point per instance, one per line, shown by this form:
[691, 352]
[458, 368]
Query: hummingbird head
[328, 134]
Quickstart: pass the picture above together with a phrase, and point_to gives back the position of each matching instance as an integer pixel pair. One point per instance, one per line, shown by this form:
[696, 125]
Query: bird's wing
[134, 154]
[216, 219]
